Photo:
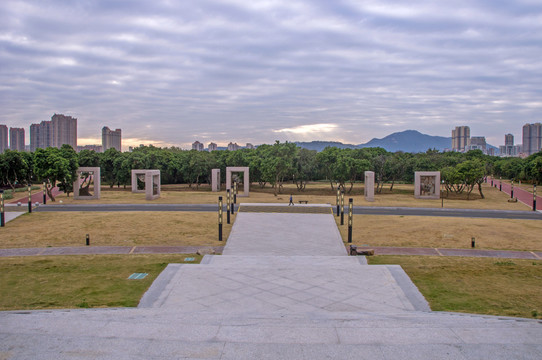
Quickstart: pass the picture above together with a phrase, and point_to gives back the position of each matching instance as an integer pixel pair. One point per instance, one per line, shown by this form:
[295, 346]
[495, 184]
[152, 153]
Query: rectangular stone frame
[96, 179]
[215, 180]
[369, 186]
[418, 183]
[246, 182]
[152, 178]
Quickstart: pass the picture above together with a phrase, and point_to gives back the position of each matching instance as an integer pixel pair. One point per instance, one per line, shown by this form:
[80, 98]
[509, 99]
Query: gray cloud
[239, 71]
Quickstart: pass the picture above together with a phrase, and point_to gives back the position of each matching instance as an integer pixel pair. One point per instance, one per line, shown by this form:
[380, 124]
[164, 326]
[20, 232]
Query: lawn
[169, 228]
[444, 232]
[475, 285]
[79, 281]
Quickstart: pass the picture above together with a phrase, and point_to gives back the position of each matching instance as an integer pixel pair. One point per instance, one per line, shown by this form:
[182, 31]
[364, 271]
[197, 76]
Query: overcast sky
[171, 72]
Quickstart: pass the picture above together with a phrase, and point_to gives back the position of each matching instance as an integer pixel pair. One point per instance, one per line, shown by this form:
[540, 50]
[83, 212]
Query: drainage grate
[137, 276]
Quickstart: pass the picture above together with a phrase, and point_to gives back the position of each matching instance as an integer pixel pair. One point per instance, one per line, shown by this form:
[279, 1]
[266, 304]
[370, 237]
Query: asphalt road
[469, 213]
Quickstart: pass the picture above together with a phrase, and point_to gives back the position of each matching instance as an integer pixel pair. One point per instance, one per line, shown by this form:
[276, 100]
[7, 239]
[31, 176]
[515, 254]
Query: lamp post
[228, 205]
[234, 193]
[350, 218]
[220, 218]
[2, 219]
[342, 207]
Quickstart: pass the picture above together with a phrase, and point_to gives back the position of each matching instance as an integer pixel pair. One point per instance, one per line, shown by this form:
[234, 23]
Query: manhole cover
[137, 276]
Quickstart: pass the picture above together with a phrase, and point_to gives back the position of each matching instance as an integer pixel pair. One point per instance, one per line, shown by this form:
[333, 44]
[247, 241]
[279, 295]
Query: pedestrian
[291, 200]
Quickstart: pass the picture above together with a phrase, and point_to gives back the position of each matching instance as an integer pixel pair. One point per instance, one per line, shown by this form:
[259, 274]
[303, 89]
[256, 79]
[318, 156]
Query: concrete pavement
[266, 303]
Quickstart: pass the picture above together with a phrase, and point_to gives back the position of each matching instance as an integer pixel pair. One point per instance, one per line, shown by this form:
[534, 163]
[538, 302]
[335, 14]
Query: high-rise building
[64, 131]
[212, 146]
[196, 145]
[233, 147]
[509, 149]
[16, 139]
[249, 146]
[508, 140]
[460, 138]
[3, 138]
[41, 135]
[478, 143]
[111, 139]
[532, 138]
[95, 148]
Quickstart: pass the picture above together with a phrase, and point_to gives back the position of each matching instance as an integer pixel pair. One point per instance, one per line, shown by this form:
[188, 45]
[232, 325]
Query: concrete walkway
[270, 304]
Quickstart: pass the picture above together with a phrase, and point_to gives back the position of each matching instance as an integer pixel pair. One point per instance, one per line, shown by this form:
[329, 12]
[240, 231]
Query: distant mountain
[408, 141]
[321, 145]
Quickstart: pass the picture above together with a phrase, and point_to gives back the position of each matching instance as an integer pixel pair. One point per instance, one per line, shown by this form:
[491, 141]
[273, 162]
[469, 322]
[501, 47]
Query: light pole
[29, 198]
[44, 193]
[338, 199]
[342, 207]
[228, 205]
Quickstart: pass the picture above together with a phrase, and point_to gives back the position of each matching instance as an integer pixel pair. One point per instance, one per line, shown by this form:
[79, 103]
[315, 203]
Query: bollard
[88, 240]
[234, 194]
[220, 218]
[2, 218]
[500, 183]
[342, 207]
[473, 243]
[512, 190]
[44, 193]
[29, 198]
[534, 197]
[350, 218]
[228, 206]
[338, 200]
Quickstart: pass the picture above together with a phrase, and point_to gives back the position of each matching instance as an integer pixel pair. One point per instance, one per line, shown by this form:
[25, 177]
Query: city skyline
[168, 73]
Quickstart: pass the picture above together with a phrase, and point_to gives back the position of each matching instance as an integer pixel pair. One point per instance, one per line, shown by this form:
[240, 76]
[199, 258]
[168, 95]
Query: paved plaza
[284, 288]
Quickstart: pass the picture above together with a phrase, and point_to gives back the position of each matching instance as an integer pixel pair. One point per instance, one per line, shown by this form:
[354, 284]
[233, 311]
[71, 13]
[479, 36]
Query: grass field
[42, 229]
[320, 192]
[78, 281]
[444, 232]
[475, 285]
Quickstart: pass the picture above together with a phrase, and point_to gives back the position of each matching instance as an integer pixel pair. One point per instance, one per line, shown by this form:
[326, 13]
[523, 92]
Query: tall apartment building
[196, 145]
[64, 131]
[212, 146]
[532, 138]
[478, 143]
[233, 147]
[111, 139]
[16, 139]
[41, 135]
[3, 138]
[460, 138]
[509, 149]
[249, 146]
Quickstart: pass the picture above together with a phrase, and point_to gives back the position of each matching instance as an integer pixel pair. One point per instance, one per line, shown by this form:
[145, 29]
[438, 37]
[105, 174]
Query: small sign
[189, 259]
[137, 276]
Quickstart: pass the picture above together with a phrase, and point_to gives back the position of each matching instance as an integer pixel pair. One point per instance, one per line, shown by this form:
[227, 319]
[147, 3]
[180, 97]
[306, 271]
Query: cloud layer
[172, 72]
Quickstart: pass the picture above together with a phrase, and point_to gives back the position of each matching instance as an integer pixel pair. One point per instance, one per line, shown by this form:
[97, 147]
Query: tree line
[270, 165]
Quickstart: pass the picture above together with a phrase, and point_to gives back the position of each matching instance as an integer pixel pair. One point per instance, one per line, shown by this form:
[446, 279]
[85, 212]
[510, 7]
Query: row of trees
[269, 165]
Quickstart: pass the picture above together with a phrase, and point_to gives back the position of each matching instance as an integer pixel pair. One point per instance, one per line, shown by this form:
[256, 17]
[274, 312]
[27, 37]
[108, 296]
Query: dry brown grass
[443, 232]
[43, 229]
[315, 193]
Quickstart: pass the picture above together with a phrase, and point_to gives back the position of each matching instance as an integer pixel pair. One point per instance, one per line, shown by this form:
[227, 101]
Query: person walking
[291, 200]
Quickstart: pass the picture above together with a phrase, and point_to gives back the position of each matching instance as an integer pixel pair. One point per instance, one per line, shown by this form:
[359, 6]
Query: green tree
[53, 165]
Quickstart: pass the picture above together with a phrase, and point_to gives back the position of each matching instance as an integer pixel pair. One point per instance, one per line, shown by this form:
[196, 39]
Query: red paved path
[522, 195]
[36, 197]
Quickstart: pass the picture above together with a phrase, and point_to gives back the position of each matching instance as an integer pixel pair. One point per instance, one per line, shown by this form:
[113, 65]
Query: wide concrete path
[264, 303]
